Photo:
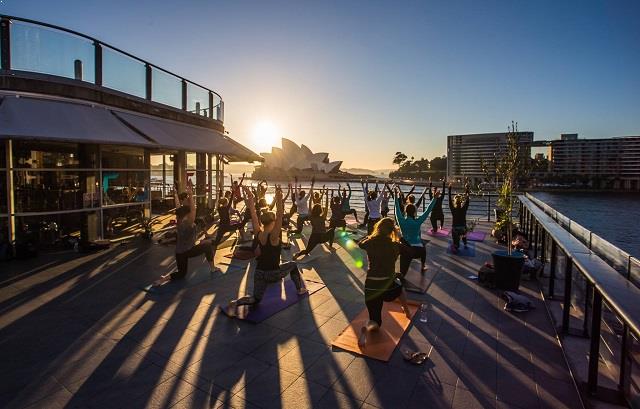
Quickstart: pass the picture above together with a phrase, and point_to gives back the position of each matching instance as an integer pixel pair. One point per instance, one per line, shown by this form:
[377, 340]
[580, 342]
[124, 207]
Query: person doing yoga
[319, 232]
[337, 214]
[268, 268]
[186, 246]
[437, 214]
[382, 284]
[374, 205]
[410, 226]
[302, 203]
[458, 206]
[236, 190]
[346, 205]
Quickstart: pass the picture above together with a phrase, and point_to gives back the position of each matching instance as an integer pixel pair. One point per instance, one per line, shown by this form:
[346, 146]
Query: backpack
[487, 275]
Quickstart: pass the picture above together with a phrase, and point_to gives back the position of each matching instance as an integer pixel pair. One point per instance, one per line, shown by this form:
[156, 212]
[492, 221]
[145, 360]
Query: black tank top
[269, 258]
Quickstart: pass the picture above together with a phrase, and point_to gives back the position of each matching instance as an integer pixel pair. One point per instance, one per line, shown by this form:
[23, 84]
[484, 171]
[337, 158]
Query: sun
[265, 135]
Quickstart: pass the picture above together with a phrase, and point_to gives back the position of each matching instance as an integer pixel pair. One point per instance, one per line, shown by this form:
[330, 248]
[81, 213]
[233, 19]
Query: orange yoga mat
[381, 344]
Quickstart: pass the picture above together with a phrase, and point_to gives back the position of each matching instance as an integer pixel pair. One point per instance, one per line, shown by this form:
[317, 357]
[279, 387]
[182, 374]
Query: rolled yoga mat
[380, 344]
[277, 297]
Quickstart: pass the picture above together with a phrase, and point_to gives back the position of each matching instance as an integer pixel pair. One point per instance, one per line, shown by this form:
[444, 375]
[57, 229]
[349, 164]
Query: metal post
[552, 268]
[164, 178]
[589, 289]
[543, 245]
[11, 225]
[97, 51]
[566, 310]
[624, 361]
[488, 208]
[77, 70]
[184, 95]
[5, 34]
[148, 82]
[535, 239]
[521, 215]
[210, 105]
[594, 351]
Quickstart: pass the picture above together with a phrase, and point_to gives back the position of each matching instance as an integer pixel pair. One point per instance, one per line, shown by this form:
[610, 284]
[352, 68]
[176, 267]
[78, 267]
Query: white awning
[177, 135]
[47, 119]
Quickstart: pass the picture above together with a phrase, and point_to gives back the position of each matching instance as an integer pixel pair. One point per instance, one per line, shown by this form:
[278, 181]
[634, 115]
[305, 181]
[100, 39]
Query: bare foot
[362, 339]
[407, 312]
[232, 308]
[424, 268]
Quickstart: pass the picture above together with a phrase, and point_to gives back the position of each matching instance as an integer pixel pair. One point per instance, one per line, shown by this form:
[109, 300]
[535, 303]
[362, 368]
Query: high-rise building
[607, 162]
[467, 155]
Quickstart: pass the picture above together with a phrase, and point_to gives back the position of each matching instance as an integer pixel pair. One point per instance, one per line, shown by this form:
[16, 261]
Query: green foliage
[399, 158]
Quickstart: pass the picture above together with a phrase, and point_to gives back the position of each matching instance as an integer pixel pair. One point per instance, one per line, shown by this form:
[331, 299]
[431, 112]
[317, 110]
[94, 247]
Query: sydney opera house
[292, 158]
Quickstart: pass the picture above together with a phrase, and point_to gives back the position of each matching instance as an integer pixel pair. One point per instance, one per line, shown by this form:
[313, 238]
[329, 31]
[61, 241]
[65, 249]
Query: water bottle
[423, 312]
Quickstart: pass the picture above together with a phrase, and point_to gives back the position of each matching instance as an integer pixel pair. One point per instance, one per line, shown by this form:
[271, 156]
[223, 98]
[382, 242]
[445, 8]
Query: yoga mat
[416, 281]
[240, 254]
[476, 236]
[381, 344]
[439, 233]
[470, 251]
[277, 297]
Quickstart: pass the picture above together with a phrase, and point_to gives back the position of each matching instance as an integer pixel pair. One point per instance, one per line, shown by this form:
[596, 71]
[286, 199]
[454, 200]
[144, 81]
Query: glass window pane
[50, 191]
[124, 187]
[197, 100]
[38, 155]
[191, 160]
[122, 221]
[123, 73]
[56, 231]
[3, 155]
[166, 88]
[49, 51]
[123, 157]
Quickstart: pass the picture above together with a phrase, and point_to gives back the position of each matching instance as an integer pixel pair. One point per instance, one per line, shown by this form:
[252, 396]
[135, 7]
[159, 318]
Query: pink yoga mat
[439, 233]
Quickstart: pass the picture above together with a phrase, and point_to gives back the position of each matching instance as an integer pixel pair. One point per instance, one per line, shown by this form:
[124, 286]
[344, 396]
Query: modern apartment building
[607, 162]
[468, 154]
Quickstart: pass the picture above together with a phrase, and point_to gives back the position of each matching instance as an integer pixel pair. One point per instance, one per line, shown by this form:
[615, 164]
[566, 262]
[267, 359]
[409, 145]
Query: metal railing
[598, 302]
[42, 48]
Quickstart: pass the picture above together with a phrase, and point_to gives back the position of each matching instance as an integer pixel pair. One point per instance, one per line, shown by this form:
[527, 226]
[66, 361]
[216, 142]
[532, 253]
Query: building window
[45, 155]
[120, 187]
[122, 157]
[50, 191]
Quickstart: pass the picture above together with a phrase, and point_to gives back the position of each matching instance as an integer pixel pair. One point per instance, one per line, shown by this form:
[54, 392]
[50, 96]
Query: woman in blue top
[410, 226]
[346, 206]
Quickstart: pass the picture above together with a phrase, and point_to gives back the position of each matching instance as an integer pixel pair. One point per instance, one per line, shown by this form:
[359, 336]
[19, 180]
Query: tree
[399, 158]
[439, 163]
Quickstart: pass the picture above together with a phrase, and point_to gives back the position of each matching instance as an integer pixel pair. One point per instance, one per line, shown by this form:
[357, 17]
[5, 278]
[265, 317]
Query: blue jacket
[410, 227]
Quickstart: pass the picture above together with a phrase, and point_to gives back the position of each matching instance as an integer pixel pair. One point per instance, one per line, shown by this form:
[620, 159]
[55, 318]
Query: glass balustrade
[166, 88]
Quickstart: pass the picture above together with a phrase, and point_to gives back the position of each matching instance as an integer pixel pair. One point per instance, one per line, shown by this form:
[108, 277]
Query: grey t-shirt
[186, 232]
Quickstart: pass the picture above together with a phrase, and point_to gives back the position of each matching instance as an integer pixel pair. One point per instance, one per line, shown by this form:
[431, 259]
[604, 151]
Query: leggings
[182, 259]
[435, 218]
[371, 224]
[262, 279]
[318, 238]
[457, 232]
[350, 211]
[338, 223]
[300, 222]
[407, 254]
[376, 293]
[385, 212]
[226, 228]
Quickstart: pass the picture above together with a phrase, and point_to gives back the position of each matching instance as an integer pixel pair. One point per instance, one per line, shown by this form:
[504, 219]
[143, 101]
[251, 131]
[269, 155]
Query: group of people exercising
[387, 239]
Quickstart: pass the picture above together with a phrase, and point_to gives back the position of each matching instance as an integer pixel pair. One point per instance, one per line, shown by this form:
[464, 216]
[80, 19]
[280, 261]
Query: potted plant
[511, 166]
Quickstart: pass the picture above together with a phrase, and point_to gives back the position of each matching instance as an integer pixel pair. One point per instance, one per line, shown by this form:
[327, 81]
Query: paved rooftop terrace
[77, 332]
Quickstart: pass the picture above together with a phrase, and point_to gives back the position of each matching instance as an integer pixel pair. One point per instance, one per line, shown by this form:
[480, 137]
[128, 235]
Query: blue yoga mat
[470, 251]
[277, 297]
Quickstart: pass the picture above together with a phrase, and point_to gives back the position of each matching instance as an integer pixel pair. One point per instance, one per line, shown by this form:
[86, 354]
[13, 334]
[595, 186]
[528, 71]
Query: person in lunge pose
[458, 206]
[382, 285]
[302, 204]
[410, 226]
[236, 190]
[346, 206]
[319, 232]
[268, 268]
[437, 215]
[186, 246]
[337, 214]
[225, 225]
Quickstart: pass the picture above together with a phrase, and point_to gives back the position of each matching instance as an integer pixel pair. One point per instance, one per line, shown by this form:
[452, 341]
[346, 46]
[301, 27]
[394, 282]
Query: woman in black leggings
[458, 206]
[268, 269]
[319, 232]
[437, 215]
[382, 284]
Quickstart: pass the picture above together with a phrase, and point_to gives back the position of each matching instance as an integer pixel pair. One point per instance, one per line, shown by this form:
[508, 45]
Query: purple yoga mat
[439, 233]
[476, 236]
[470, 251]
[277, 297]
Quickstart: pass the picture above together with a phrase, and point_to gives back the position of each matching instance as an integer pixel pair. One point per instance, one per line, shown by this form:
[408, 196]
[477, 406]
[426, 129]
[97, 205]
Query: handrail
[607, 284]
[100, 43]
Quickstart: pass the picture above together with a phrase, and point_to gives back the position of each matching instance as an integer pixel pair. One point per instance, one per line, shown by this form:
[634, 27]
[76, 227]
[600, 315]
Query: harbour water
[612, 216]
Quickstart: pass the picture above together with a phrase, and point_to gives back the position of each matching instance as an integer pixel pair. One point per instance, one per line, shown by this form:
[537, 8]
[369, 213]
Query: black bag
[487, 275]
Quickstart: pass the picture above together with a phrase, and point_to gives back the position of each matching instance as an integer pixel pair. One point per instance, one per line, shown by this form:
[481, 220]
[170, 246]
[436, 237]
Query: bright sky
[363, 80]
